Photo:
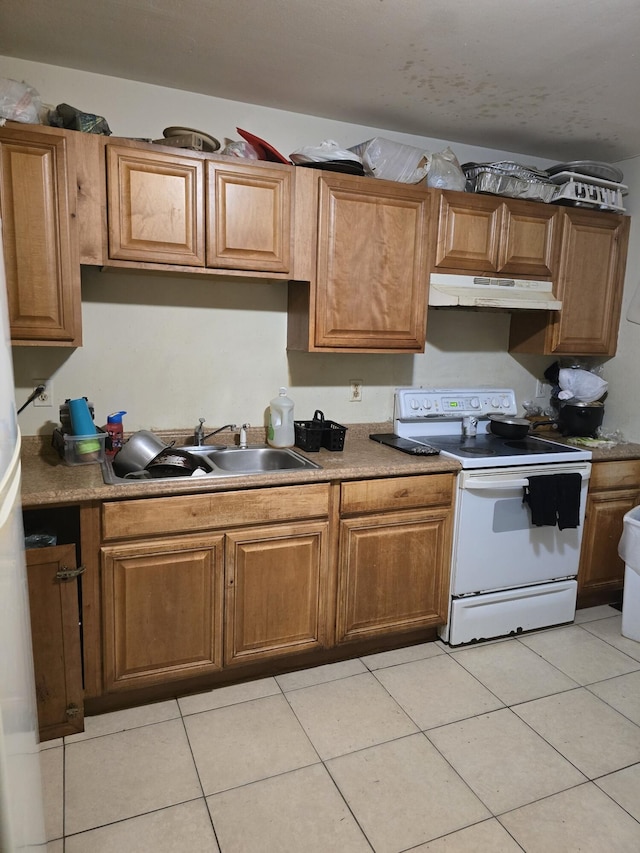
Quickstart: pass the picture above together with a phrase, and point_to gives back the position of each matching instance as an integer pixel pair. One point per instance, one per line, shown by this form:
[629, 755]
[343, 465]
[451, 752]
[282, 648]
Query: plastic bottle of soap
[281, 432]
[114, 430]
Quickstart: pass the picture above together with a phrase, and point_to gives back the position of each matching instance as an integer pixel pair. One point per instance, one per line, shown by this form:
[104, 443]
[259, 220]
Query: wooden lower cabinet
[55, 631]
[614, 490]
[162, 610]
[196, 588]
[276, 591]
[394, 566]
[393, 573]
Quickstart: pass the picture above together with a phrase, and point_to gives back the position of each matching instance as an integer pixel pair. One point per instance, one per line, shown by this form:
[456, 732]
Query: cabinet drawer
[187, 513]
[624, 474]
[397, 493]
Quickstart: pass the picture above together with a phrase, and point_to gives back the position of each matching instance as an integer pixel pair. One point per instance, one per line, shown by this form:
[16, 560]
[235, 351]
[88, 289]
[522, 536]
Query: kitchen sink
[225, 461]
[253, 460]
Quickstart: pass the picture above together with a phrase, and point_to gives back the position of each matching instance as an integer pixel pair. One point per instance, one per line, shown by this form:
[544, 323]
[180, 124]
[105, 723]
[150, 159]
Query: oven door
[496, 547]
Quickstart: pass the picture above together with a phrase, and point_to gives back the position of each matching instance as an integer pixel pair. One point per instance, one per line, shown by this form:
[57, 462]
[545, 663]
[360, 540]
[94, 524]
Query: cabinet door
[601, 569]
[155, 207]
[276, 591]
[372, 267]
[55, 630]
[37, 207]
[248, 217]
[529, 239]
[162, 611]
[468, 233]
[487, 235]
[590, 282]
[394, 573]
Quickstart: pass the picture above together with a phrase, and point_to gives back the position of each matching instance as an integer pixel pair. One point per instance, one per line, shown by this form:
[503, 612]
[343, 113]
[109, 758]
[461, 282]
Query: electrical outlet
[45, 399]
[540, 388]
[355, 392]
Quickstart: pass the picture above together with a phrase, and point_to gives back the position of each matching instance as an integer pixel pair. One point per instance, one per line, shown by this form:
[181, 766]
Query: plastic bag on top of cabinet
[19, 102]
[242, 149]
[327, 152]
[392, 161]
[580, 385]
[445, 172]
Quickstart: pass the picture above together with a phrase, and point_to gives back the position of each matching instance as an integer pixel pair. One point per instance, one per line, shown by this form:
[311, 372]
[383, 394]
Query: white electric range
[508, 575]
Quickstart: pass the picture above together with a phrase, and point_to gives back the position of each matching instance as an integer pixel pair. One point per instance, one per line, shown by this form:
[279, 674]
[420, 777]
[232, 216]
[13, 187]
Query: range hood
[469, 291]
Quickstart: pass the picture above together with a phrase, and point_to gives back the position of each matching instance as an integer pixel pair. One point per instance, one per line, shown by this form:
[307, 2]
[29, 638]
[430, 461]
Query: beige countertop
[48, 481]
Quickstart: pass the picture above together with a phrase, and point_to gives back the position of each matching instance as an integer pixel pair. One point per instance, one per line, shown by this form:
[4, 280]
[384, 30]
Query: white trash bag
[580, 385]
[392, 161]
[327, 152]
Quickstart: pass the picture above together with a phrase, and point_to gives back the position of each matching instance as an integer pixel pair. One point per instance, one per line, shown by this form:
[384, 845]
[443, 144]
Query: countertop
[48, 481]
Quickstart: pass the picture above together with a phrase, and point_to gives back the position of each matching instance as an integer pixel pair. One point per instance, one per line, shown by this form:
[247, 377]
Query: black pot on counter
[578, 418]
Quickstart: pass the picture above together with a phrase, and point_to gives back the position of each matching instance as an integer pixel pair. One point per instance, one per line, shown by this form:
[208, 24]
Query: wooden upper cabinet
[37, 207]
[528, 239]
[248, 217]
[197, 212]
[489, 235]
[156, 206]
[589, 283]
[369, 284]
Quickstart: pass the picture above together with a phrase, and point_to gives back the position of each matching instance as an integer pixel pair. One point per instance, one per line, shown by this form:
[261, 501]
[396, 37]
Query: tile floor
[521, 744]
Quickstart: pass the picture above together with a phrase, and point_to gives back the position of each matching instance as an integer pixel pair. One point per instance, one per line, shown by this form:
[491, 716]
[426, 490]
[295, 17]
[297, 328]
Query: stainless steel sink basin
[220, 461]
[253, 460]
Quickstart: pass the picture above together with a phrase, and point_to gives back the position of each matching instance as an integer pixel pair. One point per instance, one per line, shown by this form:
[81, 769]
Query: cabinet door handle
[65, 574]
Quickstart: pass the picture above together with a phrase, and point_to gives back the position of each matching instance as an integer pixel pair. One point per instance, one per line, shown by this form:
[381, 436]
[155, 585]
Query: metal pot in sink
[136, 453]
[172, 462]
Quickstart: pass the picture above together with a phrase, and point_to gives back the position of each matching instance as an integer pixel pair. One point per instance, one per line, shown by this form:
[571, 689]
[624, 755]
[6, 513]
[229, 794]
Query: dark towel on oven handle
[554, 499]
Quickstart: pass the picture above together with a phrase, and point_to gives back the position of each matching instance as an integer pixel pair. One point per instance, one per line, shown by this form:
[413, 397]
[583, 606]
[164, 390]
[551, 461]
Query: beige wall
[171, 350]
[623, 371]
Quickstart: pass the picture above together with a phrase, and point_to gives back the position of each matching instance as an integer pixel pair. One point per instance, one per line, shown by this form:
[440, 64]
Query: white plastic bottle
[281, 432]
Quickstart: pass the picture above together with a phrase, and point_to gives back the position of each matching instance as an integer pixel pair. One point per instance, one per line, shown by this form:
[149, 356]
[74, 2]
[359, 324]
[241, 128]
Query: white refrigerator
[21, 808]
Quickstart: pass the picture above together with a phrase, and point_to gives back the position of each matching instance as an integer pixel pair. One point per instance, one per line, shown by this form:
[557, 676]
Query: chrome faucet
[199, 436]
[243, 436]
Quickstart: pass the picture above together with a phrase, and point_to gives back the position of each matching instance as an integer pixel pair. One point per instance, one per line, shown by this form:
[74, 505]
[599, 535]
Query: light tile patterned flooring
[521, 744]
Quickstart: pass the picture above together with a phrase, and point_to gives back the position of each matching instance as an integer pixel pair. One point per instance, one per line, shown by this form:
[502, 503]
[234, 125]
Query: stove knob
[415, 404]
[427, 404]
[495, 402]
[475, 403]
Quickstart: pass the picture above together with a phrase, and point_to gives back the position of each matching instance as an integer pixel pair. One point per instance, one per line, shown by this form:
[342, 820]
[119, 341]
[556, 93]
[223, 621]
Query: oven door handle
[480, 485]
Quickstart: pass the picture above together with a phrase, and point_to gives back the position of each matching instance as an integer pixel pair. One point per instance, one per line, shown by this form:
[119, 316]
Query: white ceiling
[558, 79]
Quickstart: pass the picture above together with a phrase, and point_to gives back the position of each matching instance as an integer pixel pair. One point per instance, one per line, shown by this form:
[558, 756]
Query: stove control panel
[418, 404]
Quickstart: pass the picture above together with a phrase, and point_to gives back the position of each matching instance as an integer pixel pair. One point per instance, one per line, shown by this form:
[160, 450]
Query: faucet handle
[198, 434]
[242, 442]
